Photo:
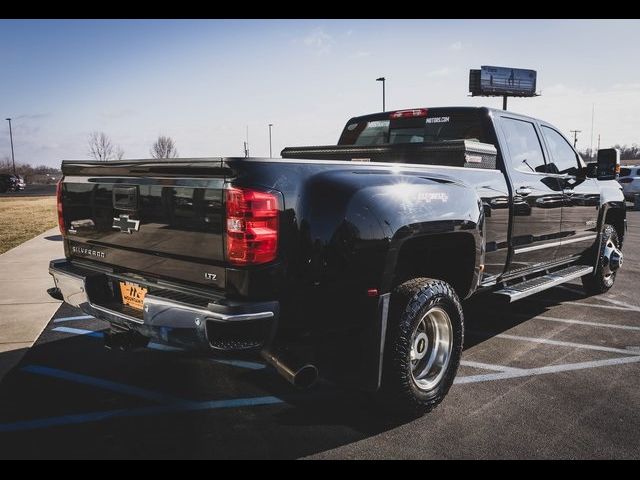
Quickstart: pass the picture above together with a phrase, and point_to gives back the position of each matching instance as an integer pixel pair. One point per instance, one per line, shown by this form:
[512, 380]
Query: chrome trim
[112, 313]
[71, 286]
[156, 311]
[555, 244]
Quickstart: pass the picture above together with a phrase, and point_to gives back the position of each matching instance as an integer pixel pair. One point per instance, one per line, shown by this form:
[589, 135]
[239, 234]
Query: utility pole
[383, 80]
[598, 141]
[575, 136]
[270, 125]
[593, 109]
[13, 159]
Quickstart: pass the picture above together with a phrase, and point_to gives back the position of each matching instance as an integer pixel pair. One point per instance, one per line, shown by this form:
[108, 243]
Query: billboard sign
[499, 81]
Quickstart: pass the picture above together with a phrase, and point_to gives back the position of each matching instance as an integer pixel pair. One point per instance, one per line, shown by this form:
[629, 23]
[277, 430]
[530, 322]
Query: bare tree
[100, 147]
[103, 149]
[164, 147]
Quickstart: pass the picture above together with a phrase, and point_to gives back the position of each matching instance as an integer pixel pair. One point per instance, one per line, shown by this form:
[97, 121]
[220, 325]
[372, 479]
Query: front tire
[608, 262]
[423, 347]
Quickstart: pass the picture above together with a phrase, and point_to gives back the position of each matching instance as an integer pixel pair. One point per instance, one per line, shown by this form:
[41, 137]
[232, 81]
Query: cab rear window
[434, 128]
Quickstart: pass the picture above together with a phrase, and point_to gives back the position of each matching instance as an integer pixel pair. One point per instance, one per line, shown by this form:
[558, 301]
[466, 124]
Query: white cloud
[319, 40]
[361, 54]
[456, 45]
[439, 72]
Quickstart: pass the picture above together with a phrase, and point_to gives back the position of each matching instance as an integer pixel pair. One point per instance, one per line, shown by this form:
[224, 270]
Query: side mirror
[608, 163]
[591, 170]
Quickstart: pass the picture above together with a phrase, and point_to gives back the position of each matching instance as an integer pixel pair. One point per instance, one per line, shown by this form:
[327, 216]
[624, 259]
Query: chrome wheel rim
[611, 260]
[431, 344]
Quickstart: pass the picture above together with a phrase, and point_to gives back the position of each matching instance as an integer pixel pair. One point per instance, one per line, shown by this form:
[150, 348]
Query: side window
[524, 145]
[563, 157]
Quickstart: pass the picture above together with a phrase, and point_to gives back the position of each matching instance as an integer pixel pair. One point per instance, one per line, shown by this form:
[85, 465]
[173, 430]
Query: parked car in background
[11, 183]
[630, 181]
[20, 183]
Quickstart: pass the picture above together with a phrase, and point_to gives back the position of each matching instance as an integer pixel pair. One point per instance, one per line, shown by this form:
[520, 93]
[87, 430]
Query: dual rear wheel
[423, 347]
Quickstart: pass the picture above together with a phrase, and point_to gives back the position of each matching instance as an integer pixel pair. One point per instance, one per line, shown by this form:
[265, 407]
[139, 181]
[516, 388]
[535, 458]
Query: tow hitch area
[124, 340]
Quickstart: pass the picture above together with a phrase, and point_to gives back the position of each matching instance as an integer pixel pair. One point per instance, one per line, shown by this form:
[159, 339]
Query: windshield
[432, 128]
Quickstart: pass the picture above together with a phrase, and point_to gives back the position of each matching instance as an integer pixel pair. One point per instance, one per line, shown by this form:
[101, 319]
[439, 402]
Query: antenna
[575, 136]
[246, 144]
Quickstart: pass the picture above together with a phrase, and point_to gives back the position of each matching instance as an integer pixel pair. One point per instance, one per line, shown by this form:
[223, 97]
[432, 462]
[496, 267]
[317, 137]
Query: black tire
[598, 282]
[410, 302]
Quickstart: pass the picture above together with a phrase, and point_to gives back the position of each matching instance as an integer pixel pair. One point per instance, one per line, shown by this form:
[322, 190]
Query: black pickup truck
[347, 261]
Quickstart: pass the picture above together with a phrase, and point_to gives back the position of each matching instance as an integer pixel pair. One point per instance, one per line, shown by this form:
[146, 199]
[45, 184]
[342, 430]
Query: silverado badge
[125, 224]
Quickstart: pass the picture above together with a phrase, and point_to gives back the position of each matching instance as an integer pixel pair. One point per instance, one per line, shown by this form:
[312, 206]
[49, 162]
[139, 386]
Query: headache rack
[453, 153]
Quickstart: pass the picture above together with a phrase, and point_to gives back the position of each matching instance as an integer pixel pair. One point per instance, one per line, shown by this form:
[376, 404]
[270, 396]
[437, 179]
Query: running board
[529, 287]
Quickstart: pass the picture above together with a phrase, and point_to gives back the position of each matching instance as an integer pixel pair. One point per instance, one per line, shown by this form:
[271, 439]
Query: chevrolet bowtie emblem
[125, 224]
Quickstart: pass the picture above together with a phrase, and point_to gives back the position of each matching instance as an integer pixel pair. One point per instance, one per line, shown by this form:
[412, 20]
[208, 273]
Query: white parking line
[627, 306]
[622, 304]
[584, 322]
[545, 370]
[489, 366]
[548, 341]
[611, 307]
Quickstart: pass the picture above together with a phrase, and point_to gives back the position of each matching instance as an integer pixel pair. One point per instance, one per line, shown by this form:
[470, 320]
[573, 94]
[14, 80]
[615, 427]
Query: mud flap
[355, 359]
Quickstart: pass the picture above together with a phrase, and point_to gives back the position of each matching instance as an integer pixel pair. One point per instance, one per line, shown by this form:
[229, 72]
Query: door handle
[524, 191]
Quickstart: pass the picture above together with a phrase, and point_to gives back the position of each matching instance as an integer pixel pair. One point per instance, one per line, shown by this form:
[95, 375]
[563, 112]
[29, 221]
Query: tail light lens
[59, 204]
[252, 226]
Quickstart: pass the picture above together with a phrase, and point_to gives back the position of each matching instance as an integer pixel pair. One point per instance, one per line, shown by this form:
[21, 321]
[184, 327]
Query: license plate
[132, 294]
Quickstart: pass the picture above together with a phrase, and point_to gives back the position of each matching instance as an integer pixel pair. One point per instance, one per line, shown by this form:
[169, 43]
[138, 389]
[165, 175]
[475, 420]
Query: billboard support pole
[504, 102]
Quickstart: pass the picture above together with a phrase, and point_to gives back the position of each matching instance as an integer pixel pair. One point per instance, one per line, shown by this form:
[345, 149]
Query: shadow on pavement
[298, 422]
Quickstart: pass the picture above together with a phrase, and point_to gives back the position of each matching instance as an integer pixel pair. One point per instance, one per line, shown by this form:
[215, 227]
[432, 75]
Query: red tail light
[626, 180]
[59, 202]
[416, 112]
[252, 226]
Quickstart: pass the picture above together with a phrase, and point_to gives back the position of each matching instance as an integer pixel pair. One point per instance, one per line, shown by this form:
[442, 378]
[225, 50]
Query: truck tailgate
[164, 219]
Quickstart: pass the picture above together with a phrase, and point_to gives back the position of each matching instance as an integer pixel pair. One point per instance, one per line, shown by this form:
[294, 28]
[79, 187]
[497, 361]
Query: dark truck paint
[354, 221]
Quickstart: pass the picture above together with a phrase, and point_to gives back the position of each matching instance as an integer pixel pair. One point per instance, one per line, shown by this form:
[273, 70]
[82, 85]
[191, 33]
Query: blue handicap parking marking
[165, 403]
[71, 319]
[241, 364]
[104, 384]
[136, 412]
[79, 331]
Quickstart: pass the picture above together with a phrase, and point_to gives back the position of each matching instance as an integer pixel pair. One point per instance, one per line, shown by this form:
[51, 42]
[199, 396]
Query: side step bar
[529, 287]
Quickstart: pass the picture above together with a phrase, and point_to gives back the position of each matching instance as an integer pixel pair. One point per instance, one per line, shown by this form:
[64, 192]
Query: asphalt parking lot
[556, 375]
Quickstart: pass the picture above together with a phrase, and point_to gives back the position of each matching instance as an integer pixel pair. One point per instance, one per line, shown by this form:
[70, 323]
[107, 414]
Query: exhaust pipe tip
[306, 376]
[294, 371]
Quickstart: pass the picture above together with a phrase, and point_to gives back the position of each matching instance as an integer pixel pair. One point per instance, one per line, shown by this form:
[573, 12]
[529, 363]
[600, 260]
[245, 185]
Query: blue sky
[203, 81]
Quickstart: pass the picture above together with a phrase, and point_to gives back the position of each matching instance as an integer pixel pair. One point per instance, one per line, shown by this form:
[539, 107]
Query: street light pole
[270, 125]
[382, 79]
[13, 159]
[575, 136]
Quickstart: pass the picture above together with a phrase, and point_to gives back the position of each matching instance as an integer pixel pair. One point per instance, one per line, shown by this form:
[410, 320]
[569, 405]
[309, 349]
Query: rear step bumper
[215, 325]
[529, 287]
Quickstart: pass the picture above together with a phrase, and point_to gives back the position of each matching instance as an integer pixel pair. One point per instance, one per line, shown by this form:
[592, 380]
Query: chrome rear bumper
[216, 325]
